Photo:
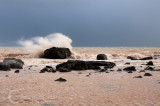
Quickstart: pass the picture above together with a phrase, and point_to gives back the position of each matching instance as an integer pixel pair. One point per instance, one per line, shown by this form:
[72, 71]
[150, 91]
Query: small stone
[61, 79]
[127, 63]
[17, 71]
[138, 77]
[142, 71]
[147, 74]
[7, 75]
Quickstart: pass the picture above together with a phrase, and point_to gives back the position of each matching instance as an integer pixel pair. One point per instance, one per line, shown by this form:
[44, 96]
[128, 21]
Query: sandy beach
[82, 88]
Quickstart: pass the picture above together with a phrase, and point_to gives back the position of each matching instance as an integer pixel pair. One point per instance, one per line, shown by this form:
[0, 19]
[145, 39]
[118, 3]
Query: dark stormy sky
[86, 22]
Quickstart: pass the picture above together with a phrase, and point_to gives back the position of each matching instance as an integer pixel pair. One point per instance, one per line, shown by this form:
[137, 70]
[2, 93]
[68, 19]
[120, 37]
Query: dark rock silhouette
[131, 58]
[131, 68]
[146, 58]
[17, 71]
[138, 77]
[150, 63]
[147, 74]
[101, 57]
[61, 80]
[57, 53]
[13, 63]
[84, 65]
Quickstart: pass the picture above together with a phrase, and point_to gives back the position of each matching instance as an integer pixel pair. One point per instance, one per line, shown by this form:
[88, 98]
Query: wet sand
[29, 87]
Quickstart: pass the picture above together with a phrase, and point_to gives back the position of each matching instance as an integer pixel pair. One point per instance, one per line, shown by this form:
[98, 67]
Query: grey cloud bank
[86, 22]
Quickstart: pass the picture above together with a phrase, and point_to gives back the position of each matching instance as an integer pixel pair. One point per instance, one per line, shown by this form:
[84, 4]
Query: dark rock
[127, 63]
[57, 53]
[101, 57]
[49, 67]
[4, 67]
[17, 71]
[84, 65]
[150, 63]
[131, 58]
[119, 70]
[61, 80]
[147, 74]
[146, 58]
[132, 68]
[13, 63]
[111, 70]
[138, 77]
[107, 71]
[142, 71]
[149, 68]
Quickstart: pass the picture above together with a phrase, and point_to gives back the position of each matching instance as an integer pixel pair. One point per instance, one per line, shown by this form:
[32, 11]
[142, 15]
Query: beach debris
[61, 79]
[4, 67]
[150, 63]
[13, 63]
[17, 71]
[57, 53]
[147, 74]
[149, 68]
[138, 77]
[131, 68]
[101, 57]
[84, 65]
[48, 69]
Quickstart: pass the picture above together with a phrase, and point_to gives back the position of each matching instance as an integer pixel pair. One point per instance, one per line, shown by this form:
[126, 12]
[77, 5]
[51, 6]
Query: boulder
[131, 58]
[101, 57]
[132, 68]
[4, 67]
[150, 63]
[57, 53]
[13, 63]
[84, 65]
